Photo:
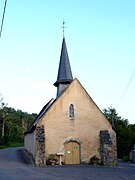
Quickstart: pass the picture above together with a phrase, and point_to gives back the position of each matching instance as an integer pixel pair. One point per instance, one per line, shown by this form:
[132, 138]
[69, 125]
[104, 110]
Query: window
[71, 111]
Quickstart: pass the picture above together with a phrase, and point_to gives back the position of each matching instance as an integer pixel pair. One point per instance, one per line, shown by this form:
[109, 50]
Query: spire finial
[63, 27]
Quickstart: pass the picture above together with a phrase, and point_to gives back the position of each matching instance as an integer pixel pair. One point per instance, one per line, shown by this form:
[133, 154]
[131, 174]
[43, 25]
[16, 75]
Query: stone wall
[108, 148]
[40, 146]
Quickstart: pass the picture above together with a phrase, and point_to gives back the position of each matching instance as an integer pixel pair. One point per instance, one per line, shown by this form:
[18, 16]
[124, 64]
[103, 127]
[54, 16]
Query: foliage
[51, 160]
[126, 159]
[52, 156]
[125, 132]
[94, 159]
[15, 124]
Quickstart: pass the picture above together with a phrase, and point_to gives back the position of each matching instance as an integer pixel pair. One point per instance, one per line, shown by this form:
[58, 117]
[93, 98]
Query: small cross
[63, 27]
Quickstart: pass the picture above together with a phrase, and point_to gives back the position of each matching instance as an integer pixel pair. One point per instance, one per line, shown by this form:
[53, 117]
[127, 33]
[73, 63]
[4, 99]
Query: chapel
[71, 126]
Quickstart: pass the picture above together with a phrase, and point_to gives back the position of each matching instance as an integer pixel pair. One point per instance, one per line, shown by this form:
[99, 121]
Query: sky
[100, 38]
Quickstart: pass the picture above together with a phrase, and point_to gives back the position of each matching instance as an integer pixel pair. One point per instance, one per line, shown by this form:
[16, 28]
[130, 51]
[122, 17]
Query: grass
[3, 147]
[12, 144]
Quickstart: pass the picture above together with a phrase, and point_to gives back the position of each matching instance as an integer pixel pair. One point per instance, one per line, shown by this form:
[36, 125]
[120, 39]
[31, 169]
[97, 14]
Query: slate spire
[64, 77]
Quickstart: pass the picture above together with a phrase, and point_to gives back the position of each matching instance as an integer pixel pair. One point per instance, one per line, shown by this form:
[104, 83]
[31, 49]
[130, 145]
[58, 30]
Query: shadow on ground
[26, 157]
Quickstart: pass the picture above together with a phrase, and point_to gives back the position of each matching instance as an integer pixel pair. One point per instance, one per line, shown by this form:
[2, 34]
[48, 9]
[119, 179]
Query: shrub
[94, 159]
[126, 159]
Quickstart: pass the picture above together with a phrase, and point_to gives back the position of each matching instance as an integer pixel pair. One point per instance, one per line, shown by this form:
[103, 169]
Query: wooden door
[72, 153]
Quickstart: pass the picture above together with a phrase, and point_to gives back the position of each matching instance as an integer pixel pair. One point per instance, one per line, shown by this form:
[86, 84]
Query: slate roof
[32, 127]
[64, 72]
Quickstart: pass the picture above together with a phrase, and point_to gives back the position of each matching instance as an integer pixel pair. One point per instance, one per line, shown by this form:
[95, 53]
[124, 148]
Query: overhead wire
[129, 82]
[3, 18]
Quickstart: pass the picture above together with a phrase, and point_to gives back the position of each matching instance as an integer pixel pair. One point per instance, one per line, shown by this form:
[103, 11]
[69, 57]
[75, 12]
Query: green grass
[3, 147]
[12, 144]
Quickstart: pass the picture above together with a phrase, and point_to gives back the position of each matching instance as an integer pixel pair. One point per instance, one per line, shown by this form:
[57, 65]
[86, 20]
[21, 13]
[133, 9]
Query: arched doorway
[72, 153]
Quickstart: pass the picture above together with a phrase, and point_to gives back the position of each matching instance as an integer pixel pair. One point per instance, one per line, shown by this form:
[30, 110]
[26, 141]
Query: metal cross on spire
[63, 27]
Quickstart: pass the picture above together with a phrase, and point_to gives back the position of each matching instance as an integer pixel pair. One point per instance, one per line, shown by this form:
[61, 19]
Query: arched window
[71, 111]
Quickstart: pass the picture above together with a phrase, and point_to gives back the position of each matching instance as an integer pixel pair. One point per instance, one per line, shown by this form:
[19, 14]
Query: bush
[4, 140]
[51, 159]
[94, 160]
[126, 159]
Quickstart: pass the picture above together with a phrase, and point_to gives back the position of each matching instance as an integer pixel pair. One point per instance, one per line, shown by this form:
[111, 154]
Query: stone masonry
[40, 146]
[108, 148]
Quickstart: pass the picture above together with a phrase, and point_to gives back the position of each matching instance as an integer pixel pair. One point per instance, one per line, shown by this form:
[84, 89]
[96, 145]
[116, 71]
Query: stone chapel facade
[71, 125]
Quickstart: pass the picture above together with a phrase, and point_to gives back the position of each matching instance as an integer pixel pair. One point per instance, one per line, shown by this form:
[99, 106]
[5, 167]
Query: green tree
[124, 131]
[16, 123]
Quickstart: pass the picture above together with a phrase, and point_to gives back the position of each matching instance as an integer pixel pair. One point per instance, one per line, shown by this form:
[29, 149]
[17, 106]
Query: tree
[3, 114]
[15, 124]
[124, 131]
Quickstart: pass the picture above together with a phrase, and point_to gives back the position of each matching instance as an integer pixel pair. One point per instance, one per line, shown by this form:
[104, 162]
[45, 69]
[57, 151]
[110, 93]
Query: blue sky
[100, 41]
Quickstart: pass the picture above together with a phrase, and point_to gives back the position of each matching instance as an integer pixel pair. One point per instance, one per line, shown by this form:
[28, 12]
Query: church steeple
[64, 77]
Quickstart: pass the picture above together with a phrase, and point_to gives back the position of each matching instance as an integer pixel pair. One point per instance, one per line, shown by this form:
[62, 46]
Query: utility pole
[112, 119]
[3, 125]
[3, 118]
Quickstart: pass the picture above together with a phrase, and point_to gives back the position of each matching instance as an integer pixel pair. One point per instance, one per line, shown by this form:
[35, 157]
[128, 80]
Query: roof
[32, 127]
[64, 71]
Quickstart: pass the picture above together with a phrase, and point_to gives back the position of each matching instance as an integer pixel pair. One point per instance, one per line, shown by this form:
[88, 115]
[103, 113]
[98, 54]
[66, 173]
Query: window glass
[71, 111]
